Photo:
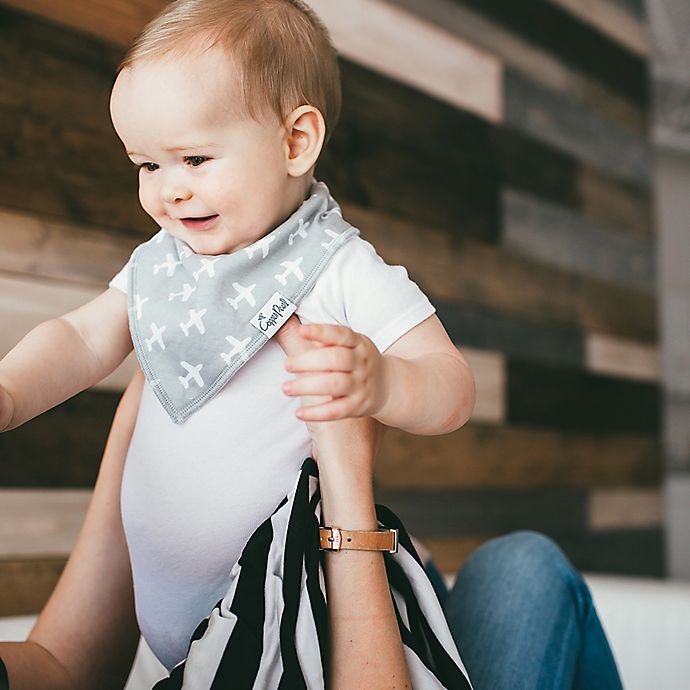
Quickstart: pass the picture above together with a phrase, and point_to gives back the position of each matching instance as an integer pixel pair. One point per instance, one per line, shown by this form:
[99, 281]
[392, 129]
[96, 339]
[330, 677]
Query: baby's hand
[6, 409]
[345, 366]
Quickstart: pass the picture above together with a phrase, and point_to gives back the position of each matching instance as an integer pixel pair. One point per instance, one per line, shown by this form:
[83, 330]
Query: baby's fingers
[332, 384]
[321, 359]
[329, 334]
[339, 408]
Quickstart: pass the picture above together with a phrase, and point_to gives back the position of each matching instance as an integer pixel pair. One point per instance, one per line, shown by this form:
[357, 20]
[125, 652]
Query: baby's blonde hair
[282, 49]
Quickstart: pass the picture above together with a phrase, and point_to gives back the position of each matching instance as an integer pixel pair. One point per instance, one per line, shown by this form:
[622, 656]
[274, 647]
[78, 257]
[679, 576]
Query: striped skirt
[270, 630]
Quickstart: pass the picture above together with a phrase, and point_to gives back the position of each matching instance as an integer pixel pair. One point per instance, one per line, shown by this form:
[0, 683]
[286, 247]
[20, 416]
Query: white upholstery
[647, 622]
[648, 625]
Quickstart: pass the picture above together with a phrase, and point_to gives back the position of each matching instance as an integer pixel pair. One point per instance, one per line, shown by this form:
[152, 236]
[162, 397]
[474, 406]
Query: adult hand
[346, 445]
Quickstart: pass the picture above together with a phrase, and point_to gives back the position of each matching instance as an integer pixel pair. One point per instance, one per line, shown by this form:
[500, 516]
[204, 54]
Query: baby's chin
[207, 244]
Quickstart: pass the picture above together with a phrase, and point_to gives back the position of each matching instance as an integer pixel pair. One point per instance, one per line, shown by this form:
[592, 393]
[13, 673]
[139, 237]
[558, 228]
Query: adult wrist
[347, 503]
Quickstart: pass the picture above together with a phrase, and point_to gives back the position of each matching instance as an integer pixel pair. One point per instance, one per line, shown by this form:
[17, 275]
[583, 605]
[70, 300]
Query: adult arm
[366, 650]
[86, 636]
[63, 356]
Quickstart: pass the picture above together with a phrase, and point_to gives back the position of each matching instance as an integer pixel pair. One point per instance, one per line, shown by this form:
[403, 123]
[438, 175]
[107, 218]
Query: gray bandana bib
[196, 320]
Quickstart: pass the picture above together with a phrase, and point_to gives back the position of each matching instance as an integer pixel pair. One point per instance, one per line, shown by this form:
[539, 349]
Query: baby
[224, 107]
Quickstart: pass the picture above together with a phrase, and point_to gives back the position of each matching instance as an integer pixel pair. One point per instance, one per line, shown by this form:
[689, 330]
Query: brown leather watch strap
[336, 539]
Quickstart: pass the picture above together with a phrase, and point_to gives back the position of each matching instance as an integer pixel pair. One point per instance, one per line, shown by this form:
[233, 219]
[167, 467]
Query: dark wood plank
[635, 7]
[67, 162]
[625, 552]
[65, 158]
[468, 272]
[481, 327]
[377, 144]
[561, 121]
[468, 513]
[110, 20]
[526, 57]
[610, 201]
[487, 456]
[26, 584]
[572, 400]
[576, 43]
[533, 167]
[61, 448]
[553, 235]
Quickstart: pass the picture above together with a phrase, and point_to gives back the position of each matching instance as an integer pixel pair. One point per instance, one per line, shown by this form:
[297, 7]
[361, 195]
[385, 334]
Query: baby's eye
[148, 167]
[195, 161]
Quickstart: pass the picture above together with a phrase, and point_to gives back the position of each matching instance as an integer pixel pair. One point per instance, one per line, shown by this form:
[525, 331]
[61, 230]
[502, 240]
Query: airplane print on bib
[196, 320]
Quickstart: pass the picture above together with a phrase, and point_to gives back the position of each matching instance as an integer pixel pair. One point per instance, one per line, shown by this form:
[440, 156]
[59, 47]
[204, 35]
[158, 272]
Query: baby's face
[208, 174]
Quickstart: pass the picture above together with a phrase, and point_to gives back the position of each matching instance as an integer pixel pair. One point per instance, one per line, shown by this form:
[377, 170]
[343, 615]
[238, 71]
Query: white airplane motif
[261, 244]
[206, 267]
[300, 232]
[186, 293]
[192, 374]
[169, 264]
[239, 347]
[139, 304]
[194, 320]
[333, 235]
[243, 293]
[291, 268]
[156, 337]
[185, 251]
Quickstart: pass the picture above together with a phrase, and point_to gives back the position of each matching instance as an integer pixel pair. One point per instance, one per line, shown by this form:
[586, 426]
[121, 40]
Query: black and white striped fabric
[270, 630]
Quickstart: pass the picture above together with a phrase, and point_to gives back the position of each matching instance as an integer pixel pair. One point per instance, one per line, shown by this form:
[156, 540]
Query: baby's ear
[306, 131]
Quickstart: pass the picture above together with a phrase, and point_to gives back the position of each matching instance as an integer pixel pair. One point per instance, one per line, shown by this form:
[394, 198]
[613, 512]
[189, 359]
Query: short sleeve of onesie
[360, 290]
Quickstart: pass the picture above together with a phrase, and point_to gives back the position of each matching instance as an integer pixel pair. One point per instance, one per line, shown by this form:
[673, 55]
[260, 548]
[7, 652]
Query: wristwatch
[336, 539]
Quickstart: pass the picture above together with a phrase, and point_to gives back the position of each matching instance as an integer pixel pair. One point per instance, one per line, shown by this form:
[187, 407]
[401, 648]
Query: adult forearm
[31, 667]
[50, 364]
[365, 646]
[432, 394]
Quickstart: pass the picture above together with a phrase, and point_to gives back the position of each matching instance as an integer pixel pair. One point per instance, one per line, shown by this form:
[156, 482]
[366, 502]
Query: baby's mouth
[201, 223]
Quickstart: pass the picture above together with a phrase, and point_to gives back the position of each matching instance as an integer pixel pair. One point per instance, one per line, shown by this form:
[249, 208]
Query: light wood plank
[450, 553]
[624, 508]
[112, 20]
[612, 20]
[402, 46]
[618, 357]
[519, 53]
[479, 456]
[26, 584]
[489, 370]
[26, 302]
[40, 246]
[40, 522]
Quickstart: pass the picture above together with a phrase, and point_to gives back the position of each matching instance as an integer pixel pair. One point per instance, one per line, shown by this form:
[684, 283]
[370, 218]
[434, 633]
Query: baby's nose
[172, 192]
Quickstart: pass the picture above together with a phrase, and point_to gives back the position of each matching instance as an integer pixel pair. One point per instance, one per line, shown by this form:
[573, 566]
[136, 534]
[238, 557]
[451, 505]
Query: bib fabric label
[273, 314]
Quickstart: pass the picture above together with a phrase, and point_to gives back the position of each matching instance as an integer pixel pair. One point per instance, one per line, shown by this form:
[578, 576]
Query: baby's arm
[421, 384]
[63, 356]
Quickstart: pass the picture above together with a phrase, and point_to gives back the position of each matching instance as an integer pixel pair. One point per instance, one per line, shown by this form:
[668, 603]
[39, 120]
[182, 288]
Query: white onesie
[193, 493]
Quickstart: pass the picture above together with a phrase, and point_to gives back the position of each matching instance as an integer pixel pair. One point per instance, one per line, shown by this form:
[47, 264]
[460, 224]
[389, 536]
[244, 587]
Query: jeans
[523, 619]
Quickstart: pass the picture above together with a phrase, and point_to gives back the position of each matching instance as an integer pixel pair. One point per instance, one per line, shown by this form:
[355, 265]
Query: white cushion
[648, 626]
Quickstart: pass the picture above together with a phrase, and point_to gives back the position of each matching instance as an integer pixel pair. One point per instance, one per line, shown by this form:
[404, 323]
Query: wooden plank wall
[499, 151]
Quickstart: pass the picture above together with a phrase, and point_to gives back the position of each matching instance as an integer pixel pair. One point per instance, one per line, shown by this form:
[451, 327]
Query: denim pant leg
[523, 619]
